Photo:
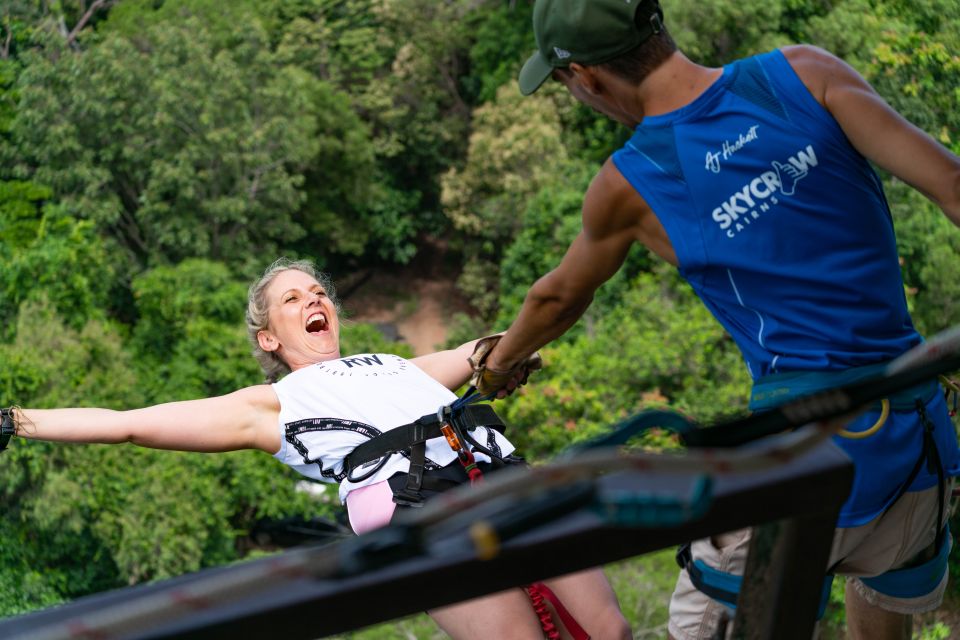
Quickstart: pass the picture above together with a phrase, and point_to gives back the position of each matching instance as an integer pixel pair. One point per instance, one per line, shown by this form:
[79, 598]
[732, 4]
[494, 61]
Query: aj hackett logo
[757, 196]
[730, 148]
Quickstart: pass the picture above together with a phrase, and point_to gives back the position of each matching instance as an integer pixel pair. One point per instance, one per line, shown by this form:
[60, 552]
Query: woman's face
[303, 328]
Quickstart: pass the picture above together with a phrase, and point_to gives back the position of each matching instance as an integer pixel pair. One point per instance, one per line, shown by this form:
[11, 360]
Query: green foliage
[23, 587]
[833, 623]
[20, 214]
[190, 337]
[929, 246]
[8, 96]
[132, 18]
[627, 360]
[515, 151]
[502, 42]
[908, 53]
[911, 71]
[50, 364]
[48, 253]
[938, 631]
[714, 32]
[363, 337]
[550, 222]
[170, 297]
[95, 517]
[178, 149]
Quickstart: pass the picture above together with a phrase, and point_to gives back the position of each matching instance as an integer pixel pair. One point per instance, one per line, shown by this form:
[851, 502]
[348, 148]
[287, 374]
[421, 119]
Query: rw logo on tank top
[365, 365]
[761, 194]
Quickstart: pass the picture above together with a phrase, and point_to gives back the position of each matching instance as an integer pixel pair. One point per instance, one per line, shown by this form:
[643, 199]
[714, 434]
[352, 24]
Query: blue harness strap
[724, 587]
[910, 582]
[917, 581]
[775, 389]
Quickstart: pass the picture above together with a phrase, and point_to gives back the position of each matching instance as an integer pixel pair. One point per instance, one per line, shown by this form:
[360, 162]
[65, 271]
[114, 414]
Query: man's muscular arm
[611, 222]
[877, 131]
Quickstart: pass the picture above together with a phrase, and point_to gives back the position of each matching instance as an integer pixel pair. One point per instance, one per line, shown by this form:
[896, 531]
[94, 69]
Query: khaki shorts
[887, 542]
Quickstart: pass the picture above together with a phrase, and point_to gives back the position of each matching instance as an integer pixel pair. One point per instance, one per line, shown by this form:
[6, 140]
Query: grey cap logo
[563, 54]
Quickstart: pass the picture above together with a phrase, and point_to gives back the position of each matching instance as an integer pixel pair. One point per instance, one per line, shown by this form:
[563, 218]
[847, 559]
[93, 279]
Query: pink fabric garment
[370, 507]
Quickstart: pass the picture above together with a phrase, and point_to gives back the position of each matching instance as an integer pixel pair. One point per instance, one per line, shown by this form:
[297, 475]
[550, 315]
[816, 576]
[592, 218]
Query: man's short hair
[635, 65]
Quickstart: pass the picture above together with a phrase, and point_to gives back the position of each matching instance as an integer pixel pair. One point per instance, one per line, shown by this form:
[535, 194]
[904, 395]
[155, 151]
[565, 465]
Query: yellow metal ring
[860, 435]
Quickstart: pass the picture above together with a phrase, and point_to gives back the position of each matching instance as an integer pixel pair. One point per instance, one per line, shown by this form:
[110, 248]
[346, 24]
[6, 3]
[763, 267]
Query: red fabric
[540, 608]
[476, 476]
[537, 592]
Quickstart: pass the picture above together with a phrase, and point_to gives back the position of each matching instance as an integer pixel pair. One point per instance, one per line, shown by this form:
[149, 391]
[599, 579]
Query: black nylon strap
[425, 428]
[7, 427]
[410, 494]
[932, 455]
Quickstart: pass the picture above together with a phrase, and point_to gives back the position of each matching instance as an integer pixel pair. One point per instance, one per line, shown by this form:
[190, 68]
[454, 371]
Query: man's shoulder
[809, 59]
[813, 65]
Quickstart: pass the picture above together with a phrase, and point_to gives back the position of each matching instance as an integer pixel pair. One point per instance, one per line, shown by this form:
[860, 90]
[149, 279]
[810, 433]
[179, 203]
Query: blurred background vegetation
[155, 155]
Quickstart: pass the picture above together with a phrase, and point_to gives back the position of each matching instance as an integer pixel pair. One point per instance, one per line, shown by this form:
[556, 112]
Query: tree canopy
[155, 155]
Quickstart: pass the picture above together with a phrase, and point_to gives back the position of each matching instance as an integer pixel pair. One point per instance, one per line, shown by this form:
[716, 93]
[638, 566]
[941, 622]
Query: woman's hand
[491, 381]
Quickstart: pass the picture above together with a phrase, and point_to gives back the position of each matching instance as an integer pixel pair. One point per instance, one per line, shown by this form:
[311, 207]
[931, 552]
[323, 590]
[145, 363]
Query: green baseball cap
[586, 32]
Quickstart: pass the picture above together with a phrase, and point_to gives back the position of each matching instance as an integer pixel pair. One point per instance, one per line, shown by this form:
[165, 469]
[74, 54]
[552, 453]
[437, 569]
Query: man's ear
[586, 77]
[267, 341]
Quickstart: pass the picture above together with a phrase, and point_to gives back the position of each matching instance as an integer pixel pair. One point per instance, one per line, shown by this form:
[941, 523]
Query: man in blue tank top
[754, 180]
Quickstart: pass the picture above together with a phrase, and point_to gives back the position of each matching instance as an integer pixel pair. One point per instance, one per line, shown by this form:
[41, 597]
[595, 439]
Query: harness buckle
[410, 495]
[407, 498]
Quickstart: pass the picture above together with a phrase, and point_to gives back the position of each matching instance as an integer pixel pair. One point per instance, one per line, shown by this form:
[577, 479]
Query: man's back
[765, 203]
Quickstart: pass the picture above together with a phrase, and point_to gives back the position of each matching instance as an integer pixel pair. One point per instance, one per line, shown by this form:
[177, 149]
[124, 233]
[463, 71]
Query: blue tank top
[783, 230]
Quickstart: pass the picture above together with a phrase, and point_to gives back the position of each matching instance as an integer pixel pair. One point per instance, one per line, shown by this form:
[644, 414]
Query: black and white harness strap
[412, 437]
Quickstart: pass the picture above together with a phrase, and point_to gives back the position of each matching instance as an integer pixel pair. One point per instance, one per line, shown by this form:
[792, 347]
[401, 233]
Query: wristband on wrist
[8, 426]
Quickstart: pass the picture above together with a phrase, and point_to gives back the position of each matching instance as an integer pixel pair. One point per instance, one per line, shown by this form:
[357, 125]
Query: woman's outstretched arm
[244, 419]
[450, 367]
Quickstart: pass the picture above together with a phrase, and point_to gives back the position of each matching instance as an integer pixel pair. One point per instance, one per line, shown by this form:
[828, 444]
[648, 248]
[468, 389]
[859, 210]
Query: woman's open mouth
[317, 323]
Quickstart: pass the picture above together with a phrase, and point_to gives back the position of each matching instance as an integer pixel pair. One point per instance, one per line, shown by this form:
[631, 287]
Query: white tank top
[329, 408]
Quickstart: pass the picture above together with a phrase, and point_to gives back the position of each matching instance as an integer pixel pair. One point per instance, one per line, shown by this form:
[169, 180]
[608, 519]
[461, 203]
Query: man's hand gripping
[501, 383]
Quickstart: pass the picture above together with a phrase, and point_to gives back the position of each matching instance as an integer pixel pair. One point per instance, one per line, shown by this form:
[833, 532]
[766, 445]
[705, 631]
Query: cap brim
[534, 73]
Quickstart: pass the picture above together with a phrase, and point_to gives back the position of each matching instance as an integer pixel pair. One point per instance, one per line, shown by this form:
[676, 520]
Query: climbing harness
[725, 587]
[410, 440]
[907, 582]
[453, 422]
[921, 578]
[950, 388]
